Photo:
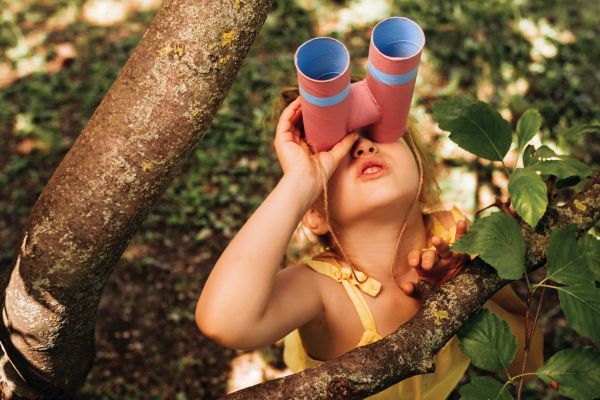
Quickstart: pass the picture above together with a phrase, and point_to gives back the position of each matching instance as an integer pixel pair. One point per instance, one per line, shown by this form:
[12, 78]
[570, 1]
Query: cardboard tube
[394, 55]
[331, 107]
[324, 80]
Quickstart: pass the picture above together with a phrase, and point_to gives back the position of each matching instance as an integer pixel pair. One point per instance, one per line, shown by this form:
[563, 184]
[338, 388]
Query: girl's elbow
[219, 331]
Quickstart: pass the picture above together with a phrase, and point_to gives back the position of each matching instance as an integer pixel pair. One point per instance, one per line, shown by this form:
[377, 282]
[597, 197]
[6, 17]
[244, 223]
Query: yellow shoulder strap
[344, 275]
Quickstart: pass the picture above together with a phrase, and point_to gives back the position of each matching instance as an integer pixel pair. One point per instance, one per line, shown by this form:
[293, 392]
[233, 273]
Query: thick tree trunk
[135, 143]
[409, 351]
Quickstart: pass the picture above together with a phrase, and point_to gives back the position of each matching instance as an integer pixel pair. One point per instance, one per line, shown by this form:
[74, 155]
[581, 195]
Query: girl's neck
[370, 247]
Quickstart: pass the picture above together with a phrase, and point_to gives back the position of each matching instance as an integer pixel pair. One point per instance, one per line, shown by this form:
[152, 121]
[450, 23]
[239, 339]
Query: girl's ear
[315, 222]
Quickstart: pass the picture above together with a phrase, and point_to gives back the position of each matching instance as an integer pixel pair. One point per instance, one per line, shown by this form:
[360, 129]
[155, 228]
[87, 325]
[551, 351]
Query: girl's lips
[371, 167]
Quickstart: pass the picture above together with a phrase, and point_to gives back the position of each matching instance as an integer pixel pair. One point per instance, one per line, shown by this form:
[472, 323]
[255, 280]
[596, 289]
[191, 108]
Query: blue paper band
[392, 80]
[325, 101]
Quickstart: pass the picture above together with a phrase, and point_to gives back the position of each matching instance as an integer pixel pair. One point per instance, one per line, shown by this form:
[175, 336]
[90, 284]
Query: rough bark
[409, 351]
[154, 114]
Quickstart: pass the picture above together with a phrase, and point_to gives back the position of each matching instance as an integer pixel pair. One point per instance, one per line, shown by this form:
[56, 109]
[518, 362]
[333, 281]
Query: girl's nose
[364, 148]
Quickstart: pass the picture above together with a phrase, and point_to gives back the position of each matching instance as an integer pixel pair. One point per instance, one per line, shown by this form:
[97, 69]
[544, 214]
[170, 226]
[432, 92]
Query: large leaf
[475, 126]
[484, 388]
[529, 124]
[499, 242]
[577, 130]
[577, 372]
[488, 341]
[528, 194]
[571, 261]
[581, 305]
[547, 162]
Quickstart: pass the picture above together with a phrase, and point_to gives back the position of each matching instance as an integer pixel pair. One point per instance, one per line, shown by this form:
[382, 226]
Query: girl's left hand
[439, 266]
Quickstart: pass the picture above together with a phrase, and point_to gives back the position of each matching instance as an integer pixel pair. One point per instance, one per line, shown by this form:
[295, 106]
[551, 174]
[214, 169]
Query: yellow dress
[450, 362]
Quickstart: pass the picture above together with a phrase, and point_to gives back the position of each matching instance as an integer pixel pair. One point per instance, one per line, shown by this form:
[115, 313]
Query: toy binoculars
[332, 107]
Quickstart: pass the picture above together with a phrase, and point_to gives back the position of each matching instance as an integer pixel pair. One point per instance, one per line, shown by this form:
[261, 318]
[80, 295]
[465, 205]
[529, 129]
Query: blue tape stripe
[392, 80]
[325, 101]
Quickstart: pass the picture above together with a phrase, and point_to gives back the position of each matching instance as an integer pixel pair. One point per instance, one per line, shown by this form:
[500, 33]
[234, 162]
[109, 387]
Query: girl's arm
[245, 303]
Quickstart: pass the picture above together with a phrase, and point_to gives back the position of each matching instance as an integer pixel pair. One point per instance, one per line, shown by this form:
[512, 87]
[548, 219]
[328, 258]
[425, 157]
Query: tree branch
[154, 114]
[409, 351]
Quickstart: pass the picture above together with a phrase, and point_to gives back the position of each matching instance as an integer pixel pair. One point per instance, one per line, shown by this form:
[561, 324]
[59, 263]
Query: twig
[529, 340]
[527, 319]
[505, 207]
[505, 169]
[502, 206]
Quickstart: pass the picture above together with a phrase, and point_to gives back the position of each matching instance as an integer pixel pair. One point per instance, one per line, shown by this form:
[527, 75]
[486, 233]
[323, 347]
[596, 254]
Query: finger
[340, 150]
[297, 115]
[286, 119]
[409, 288]
[414, 258]
[442, 247]
[461, 229]
[429, 259]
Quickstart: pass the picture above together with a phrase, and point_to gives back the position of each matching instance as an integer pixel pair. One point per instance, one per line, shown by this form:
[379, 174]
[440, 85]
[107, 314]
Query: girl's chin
[375, 206]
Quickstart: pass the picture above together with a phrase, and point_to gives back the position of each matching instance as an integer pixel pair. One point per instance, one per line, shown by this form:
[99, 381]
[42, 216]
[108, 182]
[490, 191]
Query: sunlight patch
[104, 12]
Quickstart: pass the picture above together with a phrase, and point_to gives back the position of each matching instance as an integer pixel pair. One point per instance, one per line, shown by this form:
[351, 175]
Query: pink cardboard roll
[324, 81]
[332, 107]
[394, 55]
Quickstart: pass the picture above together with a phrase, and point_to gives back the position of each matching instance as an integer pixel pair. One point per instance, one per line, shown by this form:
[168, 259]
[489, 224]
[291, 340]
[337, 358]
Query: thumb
[339, 151]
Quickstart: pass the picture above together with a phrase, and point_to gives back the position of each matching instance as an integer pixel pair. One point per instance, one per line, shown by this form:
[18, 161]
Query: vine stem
[529, 338]
[506, 171]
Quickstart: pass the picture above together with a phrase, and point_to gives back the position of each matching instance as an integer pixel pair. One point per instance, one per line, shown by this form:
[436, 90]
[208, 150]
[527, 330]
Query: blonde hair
[321, 246]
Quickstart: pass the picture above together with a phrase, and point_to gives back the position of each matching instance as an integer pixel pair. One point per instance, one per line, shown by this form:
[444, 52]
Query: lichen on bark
[154, 114]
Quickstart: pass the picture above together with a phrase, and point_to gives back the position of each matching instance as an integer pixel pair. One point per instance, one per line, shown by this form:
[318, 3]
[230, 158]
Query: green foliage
[528, 194]
[581, 304]
[475, 127]
[547, 162]
[499, 242]
[488, 341]
[577, 372]
[573, 261]
[484, 387]
[575, 131]
[528, 126]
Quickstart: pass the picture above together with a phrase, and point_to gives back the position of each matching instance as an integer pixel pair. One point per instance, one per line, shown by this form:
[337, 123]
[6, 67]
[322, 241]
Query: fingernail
[355, 136]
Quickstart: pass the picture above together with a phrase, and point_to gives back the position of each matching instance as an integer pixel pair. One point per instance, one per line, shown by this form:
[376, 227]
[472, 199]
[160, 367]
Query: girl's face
[374, 181]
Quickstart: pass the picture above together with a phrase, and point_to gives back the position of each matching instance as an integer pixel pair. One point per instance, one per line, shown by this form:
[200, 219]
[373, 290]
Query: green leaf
[475, 126]
[581, 305]
[571, 261]
[488, 341]
[499, 242]
[563, 166]
[577, 130]
[484, 388]
[567, 182]
[528, 194]
[527, 156]
[529, 124]
[577, 372]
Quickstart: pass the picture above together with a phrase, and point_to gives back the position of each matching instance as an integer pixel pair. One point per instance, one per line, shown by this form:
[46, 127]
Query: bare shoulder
[304, 278]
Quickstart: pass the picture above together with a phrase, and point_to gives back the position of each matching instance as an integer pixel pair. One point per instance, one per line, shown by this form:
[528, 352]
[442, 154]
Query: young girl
[362, 288]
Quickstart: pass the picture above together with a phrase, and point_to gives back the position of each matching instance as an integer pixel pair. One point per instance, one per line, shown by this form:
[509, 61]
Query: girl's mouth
[371, 168]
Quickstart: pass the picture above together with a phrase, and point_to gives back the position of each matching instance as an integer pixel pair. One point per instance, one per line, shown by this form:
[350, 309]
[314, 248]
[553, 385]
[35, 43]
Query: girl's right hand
[294, 154]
